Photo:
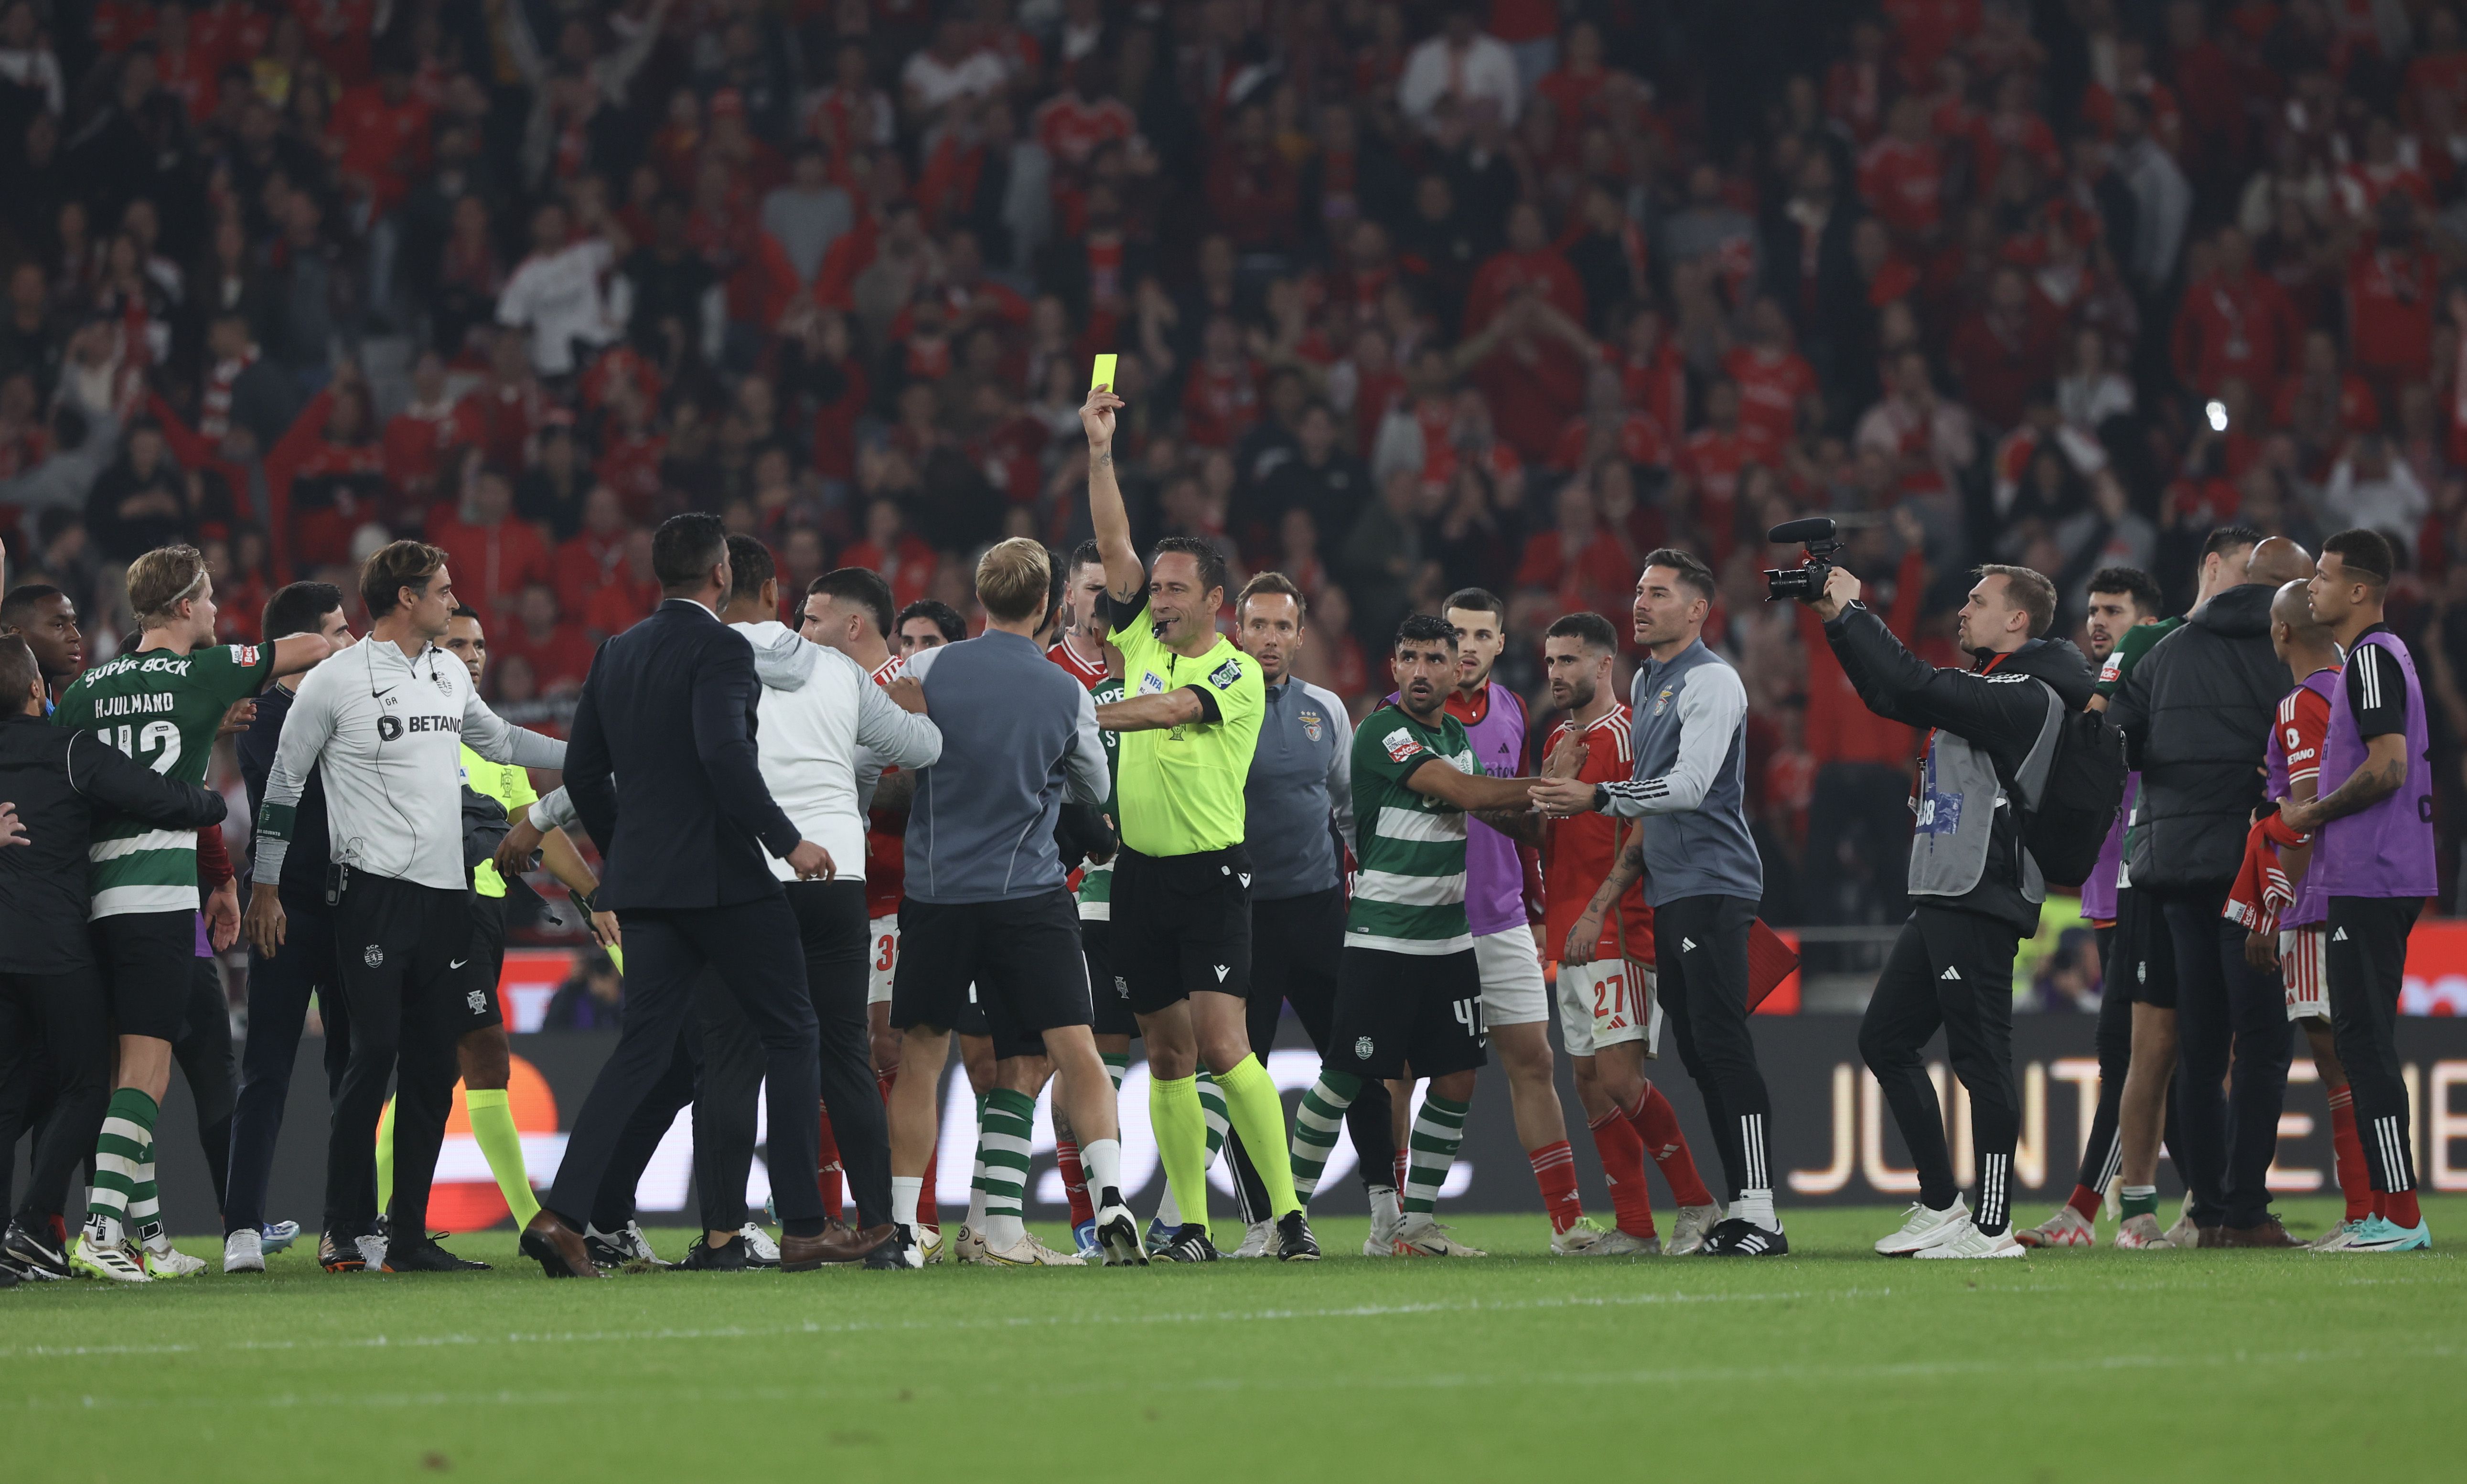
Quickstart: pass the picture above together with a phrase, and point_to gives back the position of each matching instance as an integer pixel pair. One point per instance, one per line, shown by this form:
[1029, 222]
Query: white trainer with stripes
[1923, 1227]
[1972, 1243]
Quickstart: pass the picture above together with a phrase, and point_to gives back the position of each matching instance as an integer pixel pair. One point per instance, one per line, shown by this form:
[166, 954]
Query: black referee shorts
[1019, 962]
[1395, 1011]
[147, 961]
[1181, 923]
[476, 972]
[1111, 992]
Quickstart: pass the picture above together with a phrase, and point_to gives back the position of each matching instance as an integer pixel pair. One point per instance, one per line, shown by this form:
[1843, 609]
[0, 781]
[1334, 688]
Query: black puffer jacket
[2003, 719]
[2196, 716]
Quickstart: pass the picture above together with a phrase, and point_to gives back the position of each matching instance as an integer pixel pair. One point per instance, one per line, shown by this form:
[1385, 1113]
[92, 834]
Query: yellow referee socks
[1182, 1143]
[492, 1128]
[1258, 1116]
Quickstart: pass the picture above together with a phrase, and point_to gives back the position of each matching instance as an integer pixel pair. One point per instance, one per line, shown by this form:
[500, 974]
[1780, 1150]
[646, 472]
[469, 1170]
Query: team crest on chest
[1312, 726]
[1662, 702]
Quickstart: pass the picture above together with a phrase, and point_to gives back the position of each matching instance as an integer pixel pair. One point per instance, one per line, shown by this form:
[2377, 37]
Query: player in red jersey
[1607, 1014]
[852, 608]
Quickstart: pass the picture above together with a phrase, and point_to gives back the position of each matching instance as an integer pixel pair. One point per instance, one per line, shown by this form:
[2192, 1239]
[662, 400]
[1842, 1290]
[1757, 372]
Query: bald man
[2295, 948]
[2197, 715]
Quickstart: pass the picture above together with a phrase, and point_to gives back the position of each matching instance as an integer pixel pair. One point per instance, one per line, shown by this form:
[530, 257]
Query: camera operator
[1977, 891]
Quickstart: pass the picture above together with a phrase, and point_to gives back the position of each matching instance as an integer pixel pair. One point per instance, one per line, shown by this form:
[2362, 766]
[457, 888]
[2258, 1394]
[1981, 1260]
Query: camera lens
[1789, 583]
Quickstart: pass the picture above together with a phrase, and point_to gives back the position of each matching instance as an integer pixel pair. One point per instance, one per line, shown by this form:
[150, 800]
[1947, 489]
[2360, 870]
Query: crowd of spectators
[1408, 297]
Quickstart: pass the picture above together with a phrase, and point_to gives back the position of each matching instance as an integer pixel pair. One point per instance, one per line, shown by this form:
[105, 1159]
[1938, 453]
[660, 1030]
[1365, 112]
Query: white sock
[905, 1190]
[1755, 1208]
[1102, 1160]
[1168, 1210]
[1003, 1232]
[1386, 1206]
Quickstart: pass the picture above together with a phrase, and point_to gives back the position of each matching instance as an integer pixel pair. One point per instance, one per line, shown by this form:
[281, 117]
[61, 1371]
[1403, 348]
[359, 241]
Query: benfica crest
[1312, 726]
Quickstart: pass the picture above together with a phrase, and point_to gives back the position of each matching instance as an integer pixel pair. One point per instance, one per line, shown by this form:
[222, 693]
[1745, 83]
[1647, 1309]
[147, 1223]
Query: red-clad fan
[1606, 1006]
[417, 438]
[2236, 321]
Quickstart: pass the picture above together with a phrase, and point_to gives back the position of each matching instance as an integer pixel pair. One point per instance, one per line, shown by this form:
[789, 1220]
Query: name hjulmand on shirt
[160, 708]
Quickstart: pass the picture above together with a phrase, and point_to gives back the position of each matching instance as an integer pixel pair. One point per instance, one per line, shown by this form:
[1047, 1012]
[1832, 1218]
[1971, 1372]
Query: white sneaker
[1025, 1252]
[245, 1251]
[1694, 1226]
[1257, 1242]
[2335, 1239]
[2065, 1228]
[1970, 1241]
[92, 1257]
[1422, 1236]
[1117, 1238]
[911, 1241]
[929, 1244]
[2142, 1235]
[1387, 1214]
[166, 1261]
[967, 1245]
[1924, 1228]
[760, 1251]
[1602, 1242]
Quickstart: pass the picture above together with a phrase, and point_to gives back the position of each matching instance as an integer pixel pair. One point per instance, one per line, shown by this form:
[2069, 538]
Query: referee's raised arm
[1125, 575]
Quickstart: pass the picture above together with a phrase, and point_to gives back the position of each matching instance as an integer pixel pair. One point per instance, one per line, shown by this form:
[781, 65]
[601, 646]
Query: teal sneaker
[2381, 1234]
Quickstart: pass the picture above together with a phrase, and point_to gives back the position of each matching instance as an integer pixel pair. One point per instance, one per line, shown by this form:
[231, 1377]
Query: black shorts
[2145, 951]
[147, 961]
[1400, 1010]
[477, 970]
[1181, 923]
[396, 937]
[1017, 962]
[1110, 991]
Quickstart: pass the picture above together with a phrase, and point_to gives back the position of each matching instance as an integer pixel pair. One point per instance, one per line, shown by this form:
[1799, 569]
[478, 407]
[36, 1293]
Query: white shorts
[2300, 965]
[883, 933]
[1512, 990]
[1598, 1007]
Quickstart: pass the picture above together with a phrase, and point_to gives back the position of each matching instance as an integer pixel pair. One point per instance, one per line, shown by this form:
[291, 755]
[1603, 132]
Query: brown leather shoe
[558, 1248]
[838, 1243]
[2212, 1236]
[2267, 1232]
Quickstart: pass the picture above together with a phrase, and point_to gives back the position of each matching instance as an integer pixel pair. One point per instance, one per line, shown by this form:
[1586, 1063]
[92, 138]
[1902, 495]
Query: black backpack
[2066, 828]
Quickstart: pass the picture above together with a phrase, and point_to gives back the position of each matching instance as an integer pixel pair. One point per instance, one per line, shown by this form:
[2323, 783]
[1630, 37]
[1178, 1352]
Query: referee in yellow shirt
[1180, 934]
[486, 1054]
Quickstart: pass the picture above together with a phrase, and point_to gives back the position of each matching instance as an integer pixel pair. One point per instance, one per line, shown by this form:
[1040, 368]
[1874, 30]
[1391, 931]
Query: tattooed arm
[2376, 778]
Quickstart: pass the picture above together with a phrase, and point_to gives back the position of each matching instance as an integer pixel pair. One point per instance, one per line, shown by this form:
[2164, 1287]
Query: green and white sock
[1212, 1106]
[2140, 1201]
[120, 1152]
[977, 1178]
[1007, 1125]
[1117, 1066]
[1317, 1123]
[1439, 1131]
[145, 1205]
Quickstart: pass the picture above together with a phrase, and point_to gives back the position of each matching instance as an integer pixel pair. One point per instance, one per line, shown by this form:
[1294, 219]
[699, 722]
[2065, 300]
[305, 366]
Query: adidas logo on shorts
[1949, 973]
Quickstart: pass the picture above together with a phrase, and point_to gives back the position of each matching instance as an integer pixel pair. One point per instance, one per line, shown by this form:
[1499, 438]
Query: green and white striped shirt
[1410, 896]
[161, 709]
[1097, 881]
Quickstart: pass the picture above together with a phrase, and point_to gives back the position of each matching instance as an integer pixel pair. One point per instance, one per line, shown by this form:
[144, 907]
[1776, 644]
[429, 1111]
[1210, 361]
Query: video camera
[1803, 583]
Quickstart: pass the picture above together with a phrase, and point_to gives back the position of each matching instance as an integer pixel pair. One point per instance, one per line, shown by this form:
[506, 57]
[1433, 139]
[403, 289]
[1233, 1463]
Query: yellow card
[1103, 375]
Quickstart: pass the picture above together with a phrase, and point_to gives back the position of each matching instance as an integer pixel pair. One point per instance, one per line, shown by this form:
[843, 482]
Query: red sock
[1401, 1166]
[1075, 1181]
[1554, 1170]
[2085, 1203]
[1622, 1152]
[884, 1080]
[2399, 1209]
[827, 1176]
[1658, 1122]
[2379, 1201]
[2355, 1181]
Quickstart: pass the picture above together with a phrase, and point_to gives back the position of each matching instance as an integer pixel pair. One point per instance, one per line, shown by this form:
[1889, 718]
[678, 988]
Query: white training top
[388, 731]
[821, 720]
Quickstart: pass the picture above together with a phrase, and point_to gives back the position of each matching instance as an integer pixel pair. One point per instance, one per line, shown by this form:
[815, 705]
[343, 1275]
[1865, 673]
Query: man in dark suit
[662, 769]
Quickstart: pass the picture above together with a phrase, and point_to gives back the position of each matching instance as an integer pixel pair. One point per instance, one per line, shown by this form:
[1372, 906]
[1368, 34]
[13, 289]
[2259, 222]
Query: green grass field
[1831, 1364]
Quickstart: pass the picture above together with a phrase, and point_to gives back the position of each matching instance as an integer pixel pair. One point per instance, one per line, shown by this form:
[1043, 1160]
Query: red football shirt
[1577, 853]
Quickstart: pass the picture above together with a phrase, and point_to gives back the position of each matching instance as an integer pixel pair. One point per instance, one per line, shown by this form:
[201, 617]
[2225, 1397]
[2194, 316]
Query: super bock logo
[372, 956]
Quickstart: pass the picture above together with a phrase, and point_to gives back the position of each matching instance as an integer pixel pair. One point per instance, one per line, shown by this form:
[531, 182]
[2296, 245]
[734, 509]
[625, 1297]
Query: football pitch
[1829, 1365]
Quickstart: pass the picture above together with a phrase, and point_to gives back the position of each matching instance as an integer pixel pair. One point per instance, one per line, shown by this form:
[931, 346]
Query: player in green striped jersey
[1407, 991]
[159, 703]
